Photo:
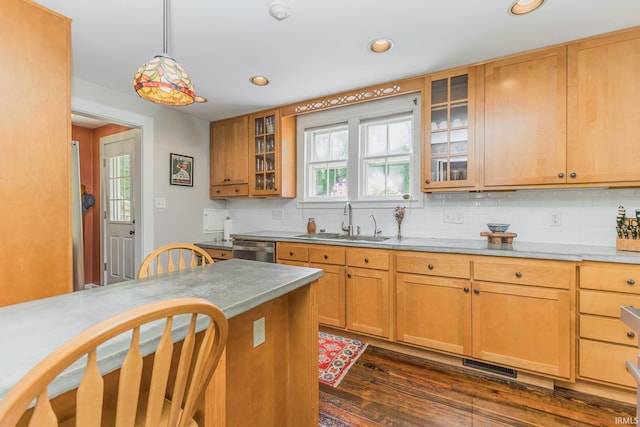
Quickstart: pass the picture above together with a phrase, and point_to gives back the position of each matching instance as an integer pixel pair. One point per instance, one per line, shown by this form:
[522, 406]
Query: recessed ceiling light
[522, 7]
[259, 80]
[380, 45]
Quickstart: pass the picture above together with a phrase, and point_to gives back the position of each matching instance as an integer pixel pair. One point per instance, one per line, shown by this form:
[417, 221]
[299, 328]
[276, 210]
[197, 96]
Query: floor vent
[494, 369]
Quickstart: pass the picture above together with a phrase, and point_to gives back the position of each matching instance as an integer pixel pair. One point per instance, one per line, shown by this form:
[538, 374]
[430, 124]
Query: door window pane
[120, 188]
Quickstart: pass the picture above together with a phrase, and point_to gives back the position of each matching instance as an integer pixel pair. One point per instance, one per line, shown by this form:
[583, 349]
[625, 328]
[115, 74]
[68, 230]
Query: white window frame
[353, 115]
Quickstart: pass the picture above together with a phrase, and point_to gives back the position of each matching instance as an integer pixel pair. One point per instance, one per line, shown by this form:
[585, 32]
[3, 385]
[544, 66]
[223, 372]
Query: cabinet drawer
[550, 274]
[292, 252]
[327, 255]
[224, 191]
[606, 362]
[368, 258]
[607, 329]
[433, 265]
[611, 277]
[219, 253]
[606, 303]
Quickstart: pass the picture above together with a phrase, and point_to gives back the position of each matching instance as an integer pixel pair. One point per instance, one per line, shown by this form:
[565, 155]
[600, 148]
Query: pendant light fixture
[162, 80]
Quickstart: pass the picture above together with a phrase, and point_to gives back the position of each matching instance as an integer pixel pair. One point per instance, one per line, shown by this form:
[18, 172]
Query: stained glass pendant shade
[163, 81]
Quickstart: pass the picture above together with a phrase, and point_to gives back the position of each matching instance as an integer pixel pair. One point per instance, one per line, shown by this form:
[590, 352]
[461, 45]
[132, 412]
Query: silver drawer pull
[631, 282]
[631, 334]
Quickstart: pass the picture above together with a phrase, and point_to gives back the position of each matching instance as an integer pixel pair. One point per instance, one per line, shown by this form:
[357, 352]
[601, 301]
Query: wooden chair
[194, 366]
[163, 259]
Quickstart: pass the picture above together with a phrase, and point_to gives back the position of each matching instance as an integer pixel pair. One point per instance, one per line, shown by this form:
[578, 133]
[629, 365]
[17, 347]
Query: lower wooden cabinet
[219, 254]
[368, 302]
[434, 312]
[331, 286]
[523, 327]
[514, 313]
[606, 343]
[368, 292]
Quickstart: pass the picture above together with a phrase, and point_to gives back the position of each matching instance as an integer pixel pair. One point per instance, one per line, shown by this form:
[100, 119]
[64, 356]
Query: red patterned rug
[336, 356]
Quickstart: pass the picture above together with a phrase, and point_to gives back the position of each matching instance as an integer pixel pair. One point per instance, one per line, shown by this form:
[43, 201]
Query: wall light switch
[259, 335]
[161, 202]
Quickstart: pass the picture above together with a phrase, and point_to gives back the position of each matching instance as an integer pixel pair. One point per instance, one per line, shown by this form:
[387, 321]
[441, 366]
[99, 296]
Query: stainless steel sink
[342, 237]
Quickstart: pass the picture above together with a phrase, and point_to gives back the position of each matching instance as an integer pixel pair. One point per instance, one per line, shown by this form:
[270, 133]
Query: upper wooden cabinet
[449, 124]
[525, 119]
[604, 94]
[272, 148]
[229, 151]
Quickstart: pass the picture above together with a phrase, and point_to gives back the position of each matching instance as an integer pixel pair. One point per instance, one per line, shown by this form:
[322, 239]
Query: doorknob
[131, 232]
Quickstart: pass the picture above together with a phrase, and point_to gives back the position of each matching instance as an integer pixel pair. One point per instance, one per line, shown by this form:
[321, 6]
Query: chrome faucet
[375, 226]
[348, 228]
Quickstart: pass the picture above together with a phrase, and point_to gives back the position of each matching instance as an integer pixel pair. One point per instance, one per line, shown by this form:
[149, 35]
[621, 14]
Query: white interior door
[118, 162]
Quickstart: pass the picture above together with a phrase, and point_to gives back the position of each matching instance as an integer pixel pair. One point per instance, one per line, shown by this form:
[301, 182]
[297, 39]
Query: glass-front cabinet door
[272, 155]
[449, 130]
[264, 157]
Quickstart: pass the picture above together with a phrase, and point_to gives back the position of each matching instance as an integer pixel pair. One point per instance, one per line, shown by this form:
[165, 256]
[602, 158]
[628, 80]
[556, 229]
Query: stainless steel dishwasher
[254, 250]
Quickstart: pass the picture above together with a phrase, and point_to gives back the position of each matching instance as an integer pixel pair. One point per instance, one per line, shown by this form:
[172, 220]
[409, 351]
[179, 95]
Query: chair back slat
[129, 384]
[186, 357]
[90, 394]
[43, 415]
[160, 375]
[89, 410]
[173, 257]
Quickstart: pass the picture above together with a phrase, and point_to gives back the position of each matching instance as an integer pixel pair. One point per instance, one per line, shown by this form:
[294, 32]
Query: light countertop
[32, 330]
[464, 246]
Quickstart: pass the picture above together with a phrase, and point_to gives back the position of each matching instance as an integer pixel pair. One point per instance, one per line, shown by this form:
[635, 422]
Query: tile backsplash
[581, 216]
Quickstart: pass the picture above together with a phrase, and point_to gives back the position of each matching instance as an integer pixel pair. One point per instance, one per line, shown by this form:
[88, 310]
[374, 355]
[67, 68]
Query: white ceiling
[320, 49]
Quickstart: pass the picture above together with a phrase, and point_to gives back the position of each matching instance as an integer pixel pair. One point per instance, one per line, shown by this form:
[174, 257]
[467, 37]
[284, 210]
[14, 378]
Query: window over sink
[368, 152]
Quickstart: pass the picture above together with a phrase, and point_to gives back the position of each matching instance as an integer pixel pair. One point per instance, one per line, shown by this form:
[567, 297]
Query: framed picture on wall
[181, 170]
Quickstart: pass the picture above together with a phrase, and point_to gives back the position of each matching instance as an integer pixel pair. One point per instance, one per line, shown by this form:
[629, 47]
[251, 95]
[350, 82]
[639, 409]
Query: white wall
[587, 215]
[164, 130]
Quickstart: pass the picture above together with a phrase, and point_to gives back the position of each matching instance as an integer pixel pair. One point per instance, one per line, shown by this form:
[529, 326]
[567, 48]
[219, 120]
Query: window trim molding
[356, 114]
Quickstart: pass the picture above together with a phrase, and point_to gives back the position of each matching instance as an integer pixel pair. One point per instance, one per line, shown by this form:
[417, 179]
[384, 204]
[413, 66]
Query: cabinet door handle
[573, 174]
[476, 291]
[518, 274]
[290, 253]
[237, 190]
[349, 275]
[430, 266]
[326, 256]
[366, 260]
[218, 191]
[427, 181]
[465, 289]
[631, 282]
[631, 334]
[561, 175]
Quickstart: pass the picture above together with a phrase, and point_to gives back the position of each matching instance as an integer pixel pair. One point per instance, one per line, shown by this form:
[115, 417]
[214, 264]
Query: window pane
[376, 142]
[338, 181]
[399, 180]
[320, 147]
[318, 185]
[375, 178]
[400, 137]
[328, 180]
[340, 145]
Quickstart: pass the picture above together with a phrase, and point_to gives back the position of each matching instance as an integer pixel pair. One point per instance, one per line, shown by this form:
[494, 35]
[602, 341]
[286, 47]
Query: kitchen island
[273, 383]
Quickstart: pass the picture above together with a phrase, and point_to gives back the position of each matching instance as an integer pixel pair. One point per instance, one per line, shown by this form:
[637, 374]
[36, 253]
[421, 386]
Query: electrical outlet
[452, 217]
[258, 332]
[276, 214]
[555, 219]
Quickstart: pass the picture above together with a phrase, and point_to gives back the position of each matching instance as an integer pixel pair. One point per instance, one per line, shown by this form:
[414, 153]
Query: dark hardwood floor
[385, 388]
